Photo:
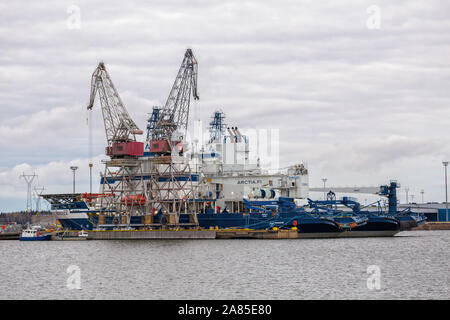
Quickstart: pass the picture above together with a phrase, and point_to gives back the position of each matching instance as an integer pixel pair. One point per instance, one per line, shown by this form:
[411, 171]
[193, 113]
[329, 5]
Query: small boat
[83, 234]
[34, 234]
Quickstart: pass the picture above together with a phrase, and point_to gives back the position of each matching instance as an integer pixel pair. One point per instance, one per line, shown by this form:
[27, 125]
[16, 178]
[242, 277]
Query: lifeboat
[133, 200]
[92, 196]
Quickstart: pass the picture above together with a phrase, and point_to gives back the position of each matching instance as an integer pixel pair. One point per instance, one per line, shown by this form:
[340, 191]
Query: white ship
[232, 170]
[222, 173]
[176, 183]
[170, 175]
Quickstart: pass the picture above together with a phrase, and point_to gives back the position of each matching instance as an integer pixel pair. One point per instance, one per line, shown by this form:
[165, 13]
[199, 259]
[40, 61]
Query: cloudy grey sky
[360, 104]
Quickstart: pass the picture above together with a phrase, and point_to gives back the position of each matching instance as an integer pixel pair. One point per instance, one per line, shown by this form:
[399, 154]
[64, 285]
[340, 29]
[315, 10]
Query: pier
[150, 234]
[9, 235]
[433, 226]
[198, 234]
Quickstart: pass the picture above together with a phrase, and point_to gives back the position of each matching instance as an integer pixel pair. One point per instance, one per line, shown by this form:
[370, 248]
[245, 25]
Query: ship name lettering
[249, 181]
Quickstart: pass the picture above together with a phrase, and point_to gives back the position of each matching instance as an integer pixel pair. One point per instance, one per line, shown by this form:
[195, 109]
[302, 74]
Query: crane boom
[120, 129]
[175, 113]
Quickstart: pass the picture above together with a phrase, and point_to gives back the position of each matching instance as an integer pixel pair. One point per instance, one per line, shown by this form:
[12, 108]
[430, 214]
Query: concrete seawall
[230, 234]
[9, 235]
[151, 234]
[433, 226]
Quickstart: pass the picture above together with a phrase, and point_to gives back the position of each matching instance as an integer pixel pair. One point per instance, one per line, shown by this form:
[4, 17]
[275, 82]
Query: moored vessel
[34, 233]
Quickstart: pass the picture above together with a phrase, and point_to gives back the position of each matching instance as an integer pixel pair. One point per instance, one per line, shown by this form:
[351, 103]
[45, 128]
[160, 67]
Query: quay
[215, 234]
[9, 235]
[150, 234]
[433, 226]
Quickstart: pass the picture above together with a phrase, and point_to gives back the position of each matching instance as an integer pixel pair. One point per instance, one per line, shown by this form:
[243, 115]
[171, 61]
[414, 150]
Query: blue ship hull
[281, 214]
[379, 223]
[45, 237]
[76, 224]
[408, 221]
[256, 221]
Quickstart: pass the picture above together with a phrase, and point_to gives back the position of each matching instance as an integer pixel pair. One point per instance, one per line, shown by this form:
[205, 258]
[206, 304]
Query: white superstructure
[230, 170]
[227, 169]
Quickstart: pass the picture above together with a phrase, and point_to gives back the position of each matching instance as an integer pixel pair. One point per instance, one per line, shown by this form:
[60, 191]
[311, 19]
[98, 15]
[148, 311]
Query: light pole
[196, 156]
[445, 163]
[422, 192]
[74, 168]
[406, 190]
[324, 191]
[90, 178]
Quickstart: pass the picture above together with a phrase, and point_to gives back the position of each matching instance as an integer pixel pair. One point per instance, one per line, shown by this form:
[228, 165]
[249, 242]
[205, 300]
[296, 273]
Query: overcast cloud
[359, 105]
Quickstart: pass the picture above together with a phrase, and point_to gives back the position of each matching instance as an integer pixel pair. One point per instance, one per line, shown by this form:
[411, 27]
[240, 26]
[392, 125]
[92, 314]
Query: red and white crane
[172, 121]
[120, 129]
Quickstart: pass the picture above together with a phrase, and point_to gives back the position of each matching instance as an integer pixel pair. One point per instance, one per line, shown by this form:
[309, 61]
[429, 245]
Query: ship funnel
[232, 135]
[238, 135]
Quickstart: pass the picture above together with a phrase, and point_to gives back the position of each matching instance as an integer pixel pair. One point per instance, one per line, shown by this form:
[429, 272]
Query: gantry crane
[172, 121]
[120, 129]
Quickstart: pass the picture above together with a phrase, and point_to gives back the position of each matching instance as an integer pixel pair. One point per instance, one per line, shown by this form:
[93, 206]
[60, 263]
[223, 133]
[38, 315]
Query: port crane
[388, 191]
[168, 125]
[171, 188]
[123, 188]
[120, 129]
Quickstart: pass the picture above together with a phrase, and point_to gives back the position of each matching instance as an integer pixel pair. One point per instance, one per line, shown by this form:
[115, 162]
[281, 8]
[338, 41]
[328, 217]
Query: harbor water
[411, 265]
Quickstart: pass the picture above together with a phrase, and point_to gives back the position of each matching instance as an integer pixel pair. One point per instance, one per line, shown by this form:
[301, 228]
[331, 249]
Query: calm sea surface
[412, 265]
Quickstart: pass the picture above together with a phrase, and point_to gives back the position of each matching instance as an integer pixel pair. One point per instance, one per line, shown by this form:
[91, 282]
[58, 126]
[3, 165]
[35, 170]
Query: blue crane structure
[174, 116]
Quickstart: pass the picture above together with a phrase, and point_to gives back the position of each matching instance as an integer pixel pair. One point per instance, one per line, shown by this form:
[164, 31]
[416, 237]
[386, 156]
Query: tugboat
[33, 233]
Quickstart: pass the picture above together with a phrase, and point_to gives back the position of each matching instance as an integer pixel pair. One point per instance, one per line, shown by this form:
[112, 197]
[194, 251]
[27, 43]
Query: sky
[359, 90]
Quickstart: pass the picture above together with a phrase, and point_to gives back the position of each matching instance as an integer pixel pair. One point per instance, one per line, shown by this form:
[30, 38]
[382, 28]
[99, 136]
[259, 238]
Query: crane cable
[89, 123]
